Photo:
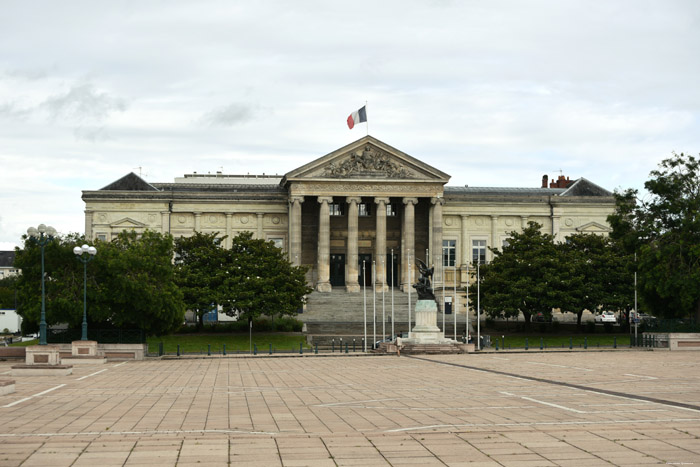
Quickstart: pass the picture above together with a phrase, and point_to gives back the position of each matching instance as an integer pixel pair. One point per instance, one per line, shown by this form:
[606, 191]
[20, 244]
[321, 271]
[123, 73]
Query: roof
[130, 182]
[7, 259]
[489, 190]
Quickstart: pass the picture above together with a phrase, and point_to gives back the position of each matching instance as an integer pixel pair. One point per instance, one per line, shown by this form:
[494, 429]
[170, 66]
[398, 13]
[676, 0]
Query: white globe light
[41, 228]
[50, 231]
[32, 232]
[92, 250]
[85, 248]
[78, 251]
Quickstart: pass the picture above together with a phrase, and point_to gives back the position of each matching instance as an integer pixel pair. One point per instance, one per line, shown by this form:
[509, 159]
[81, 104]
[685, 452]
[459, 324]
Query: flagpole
[366, 119]
[364, 299]
[383, 307]
[410, 286]
[467, 305]
[374, 302]
[392, 294]
[454, 305]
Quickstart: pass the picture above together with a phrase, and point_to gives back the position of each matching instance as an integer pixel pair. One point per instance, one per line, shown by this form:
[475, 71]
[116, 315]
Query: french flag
[356, 117]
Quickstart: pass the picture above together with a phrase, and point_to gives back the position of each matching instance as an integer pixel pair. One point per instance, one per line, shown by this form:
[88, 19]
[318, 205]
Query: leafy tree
[130, 283]
[524, 277]
[258, 280]
[198, 271]
[8, 288]
[663, 229]
[596, 275]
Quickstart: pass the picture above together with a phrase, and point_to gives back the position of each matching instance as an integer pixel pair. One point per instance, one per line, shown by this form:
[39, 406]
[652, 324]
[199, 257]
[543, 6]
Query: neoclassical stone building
[359, 215]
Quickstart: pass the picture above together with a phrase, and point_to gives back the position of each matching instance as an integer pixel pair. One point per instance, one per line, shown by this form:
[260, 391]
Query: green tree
[595, 275]
[198, 271]
[8, 292]
[259, 280]
[524, 277]
[663, 229]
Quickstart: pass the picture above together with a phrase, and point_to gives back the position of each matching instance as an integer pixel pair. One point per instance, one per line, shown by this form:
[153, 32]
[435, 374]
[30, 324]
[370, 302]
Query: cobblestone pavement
[540, 409]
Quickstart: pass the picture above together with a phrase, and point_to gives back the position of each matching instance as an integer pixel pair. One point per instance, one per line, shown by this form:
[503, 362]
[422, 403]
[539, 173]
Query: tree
[130, 283]
[596, 275]
[8, 292]
[663, 229]
[258, 280]
[198, 271]
[524, 277]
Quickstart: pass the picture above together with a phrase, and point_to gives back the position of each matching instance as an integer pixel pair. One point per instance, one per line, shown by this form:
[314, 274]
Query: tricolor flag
[357, 117]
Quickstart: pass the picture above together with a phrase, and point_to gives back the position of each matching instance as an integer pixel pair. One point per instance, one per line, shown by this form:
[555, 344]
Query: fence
[105, 336]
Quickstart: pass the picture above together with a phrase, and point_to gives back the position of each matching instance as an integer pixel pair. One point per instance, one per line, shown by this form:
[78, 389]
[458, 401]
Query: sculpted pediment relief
[593, 227]
[367, 159]
[126, 223]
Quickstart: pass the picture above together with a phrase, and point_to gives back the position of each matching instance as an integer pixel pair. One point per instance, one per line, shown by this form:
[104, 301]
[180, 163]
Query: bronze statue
[423, 287]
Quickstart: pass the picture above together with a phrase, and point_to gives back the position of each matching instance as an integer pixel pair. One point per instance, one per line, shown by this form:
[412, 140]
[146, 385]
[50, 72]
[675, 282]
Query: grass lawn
[548, 340]
[197, 343]
[25, 344]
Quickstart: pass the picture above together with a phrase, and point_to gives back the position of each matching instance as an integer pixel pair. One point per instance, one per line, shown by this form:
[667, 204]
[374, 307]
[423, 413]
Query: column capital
[260, 214]
[464, 216]
[437, 200]
[325, 199]
[293, 199]
[494, 217]
[229, 215]
[381, 200]
[353, 199]
[197, 214]
[412, 201]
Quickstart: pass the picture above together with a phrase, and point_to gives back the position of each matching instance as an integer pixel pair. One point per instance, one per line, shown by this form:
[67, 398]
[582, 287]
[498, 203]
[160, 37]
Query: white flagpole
[478, 305]
[467, 304]
[410, 286]
[374, 303]
[364, 298]
[454, 305]
[383, 307]
[393, 334]
[366, 119]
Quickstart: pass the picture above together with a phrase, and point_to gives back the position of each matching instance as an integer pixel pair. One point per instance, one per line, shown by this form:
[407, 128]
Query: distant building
[7, 268]
[365, 202]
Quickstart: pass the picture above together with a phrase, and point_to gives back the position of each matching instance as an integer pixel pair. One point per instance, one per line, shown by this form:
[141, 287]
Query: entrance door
[368, 269]
[392, 281]
[337, 270]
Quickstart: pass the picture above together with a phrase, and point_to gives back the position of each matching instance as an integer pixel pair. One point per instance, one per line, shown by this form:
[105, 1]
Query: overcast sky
[495, 93]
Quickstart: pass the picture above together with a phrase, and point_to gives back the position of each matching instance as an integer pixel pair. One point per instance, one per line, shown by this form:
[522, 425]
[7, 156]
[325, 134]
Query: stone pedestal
[426, 331]
[42, 360]
[84, 352]
[42, 355]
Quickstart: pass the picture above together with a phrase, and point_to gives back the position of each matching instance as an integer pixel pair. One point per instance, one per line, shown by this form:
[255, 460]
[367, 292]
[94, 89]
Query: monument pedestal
[426, 331]
[84, 352]
[42, 360]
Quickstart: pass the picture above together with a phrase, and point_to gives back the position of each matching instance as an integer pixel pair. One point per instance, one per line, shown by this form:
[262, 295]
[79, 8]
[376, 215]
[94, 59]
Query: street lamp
[85, 254]
[42, 235]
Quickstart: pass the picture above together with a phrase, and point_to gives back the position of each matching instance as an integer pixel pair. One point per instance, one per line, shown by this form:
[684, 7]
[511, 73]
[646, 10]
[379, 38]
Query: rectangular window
[364, 210]
[390, 210]
[102, 237]
[449, 252]
[336, 209]
[279, 242]
[479, 251]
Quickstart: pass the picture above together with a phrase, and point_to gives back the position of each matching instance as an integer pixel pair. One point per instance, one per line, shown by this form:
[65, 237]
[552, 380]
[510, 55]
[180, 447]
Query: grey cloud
[83, 103]
[232, 114]
[92, 134]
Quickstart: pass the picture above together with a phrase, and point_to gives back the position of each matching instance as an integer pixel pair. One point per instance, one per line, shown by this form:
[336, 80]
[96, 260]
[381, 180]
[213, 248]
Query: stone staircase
[423, 349]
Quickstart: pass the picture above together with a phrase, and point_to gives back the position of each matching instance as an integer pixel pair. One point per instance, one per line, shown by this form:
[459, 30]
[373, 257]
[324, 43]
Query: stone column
[555, 228]
[351, 282]
[323, 265]
[436, 253]
[494, 235]
[229, 230]
[261, 219]
[464, 250]
[409, 242]
[523, 222]
[295, 230]
[197, 221]
[88, 224]
[165, 222]
[380, 244]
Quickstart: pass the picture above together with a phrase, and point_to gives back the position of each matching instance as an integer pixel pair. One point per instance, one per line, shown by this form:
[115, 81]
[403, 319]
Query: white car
[605, 317]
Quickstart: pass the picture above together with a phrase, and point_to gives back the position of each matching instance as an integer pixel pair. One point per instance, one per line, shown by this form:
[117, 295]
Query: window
[479, 251]
[505, 243]
[279, 242]
[364, 210]
[102, 237]
[390, 210]
[449, 252]
[336, 209]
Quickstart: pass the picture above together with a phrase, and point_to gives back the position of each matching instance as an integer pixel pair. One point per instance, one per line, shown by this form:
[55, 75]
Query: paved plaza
[499, 409]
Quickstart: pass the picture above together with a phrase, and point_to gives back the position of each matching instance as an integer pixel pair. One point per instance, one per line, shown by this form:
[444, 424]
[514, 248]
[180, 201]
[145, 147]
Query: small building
[7, 268]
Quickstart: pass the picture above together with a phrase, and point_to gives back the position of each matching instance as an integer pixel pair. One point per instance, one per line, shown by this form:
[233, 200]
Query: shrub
[590, 327]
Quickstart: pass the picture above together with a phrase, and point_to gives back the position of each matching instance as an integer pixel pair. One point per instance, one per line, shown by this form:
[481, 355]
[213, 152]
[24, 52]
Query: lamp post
[85, 254]
[42, 235]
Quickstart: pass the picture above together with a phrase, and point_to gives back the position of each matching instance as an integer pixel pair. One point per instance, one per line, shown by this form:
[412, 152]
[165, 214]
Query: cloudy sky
[495, 93]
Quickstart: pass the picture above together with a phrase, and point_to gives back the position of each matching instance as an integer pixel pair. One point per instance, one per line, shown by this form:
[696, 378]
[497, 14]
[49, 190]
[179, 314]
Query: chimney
[544, 180]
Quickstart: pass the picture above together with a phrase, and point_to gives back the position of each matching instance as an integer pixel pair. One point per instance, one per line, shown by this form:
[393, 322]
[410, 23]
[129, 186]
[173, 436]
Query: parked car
[542, 318]
[605, 317]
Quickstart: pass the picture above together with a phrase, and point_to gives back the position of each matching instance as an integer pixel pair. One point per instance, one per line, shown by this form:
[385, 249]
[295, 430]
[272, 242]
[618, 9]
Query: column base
[353, 288]
[324, 287]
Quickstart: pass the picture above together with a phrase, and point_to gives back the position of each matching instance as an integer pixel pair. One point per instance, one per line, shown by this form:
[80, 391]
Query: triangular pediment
[593, 227]
[585, 187]
[130, 182]
[367, 159]
[127, 223]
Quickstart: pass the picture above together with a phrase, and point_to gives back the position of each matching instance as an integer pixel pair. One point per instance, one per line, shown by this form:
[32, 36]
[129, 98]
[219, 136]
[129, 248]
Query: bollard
[541, 343]
[353, 345]
[255, 349]
[224, 349]
[316, 348]
[503, 342]
[585, 342]
[209, 349]
[341, 345]
[300, 349]
[178, 350]
[346, 347]
[571, 343]
[615, 342]
[363, 344]
[526, 344]
[497, 344]
[333, 345]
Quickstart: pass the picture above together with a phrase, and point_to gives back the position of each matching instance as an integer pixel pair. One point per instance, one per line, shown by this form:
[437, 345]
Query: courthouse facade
[360, 215]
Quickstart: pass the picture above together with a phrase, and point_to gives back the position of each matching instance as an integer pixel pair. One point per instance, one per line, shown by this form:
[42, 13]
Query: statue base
[426, 331]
